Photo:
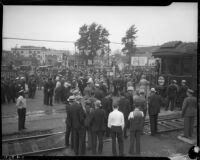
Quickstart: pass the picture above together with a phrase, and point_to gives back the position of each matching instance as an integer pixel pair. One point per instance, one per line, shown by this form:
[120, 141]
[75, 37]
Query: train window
[186, 65]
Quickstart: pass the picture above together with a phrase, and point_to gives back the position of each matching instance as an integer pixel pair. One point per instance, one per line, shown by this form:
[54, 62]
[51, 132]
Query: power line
[27, 39]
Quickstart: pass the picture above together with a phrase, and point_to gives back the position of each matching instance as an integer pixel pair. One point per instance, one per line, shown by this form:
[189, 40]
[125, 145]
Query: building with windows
[44, 55]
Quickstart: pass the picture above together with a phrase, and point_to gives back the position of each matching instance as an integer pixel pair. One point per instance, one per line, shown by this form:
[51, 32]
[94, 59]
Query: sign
[138, 61]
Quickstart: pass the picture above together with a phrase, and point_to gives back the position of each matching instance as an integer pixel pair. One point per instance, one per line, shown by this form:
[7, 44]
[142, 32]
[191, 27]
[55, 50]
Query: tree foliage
[129, 41]
[93, 41]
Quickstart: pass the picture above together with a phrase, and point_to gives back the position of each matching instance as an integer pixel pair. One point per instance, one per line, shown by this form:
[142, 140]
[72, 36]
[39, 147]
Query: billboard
[138, 61]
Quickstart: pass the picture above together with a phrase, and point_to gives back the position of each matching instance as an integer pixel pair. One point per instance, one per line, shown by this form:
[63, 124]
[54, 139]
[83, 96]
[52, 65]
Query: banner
[138, 61]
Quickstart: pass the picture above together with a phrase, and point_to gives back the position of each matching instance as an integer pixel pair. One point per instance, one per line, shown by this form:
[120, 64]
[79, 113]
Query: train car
[178, 60]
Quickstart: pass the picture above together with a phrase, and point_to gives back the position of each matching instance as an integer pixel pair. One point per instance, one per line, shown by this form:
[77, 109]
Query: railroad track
[43, 143]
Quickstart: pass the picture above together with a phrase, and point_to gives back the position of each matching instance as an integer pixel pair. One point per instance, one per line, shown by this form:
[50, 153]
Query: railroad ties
[41, 144]
[34, 145]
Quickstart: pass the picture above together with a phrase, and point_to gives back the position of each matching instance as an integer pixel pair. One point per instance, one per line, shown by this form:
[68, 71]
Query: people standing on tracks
[171, 96]
[155, 102]
[116, 124]
[189, 111]
[21, 110]
[182, 94]
[141, 102]
[136, 118]
[69, 104]
[98, 126]
[129, 96]
[45, 91]
[125, 108]
[77, 118]
[50, 91]
[107, 106]
[144, 85]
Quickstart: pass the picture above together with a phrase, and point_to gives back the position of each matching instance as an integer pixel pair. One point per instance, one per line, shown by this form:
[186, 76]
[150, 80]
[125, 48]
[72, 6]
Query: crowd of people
[91, 109]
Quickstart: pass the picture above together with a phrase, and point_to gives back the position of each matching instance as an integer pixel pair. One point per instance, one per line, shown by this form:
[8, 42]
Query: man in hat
[182, 92]
[21, 110]
[129, 96]
[155, 102]
[77, 118]
[107, 106]
[144, 84]
[140, 102]
[98, 93]
[71, 101]
[189, 111]
[116, 124]
[125, 108]
[98, 126]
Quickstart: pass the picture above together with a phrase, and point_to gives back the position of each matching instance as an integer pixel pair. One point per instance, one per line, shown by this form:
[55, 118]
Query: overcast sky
[156, 25]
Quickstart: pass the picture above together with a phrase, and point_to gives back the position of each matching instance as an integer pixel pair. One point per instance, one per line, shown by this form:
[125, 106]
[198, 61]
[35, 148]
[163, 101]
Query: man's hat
[22, 77]
[174, 81]
[130, 88]
[153, 90]
[98, 103]
[97, 85]
[183, 81]
[190, 91]
[71, 98]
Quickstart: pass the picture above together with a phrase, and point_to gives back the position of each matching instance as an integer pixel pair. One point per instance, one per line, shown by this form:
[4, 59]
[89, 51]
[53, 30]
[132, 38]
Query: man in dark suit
[77, 118]
[155, 102]
[50, 90]
[107, 106]
[70, 102]
[98, 93]
[182, 92]
[189, 111]
[98, 126]
[171, 95]
[124, 107]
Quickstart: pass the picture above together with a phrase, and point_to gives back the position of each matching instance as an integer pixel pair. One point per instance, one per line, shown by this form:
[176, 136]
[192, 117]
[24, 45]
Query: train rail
[43, 143]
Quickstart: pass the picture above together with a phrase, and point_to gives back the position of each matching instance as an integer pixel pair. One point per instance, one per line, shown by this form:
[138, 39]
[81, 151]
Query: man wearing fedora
[189, 111]
[70, 101]
[155, 102]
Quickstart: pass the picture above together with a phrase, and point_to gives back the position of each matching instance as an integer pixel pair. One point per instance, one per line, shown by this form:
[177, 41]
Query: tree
[93, 41]
[129, 42]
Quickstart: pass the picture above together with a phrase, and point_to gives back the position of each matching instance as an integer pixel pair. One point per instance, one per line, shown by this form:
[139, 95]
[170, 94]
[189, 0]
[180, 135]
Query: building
[44, 55]
[178, 61]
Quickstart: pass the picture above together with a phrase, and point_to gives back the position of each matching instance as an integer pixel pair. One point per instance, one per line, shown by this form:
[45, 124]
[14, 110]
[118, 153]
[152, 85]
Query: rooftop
[176, 48]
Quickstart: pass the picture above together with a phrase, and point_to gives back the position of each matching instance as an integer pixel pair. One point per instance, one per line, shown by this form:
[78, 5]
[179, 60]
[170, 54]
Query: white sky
[156, 25]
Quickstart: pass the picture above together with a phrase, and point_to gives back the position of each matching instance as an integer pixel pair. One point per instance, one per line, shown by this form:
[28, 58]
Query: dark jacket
[107, 105]
[140, 101]
[171, 90]
[124, 106]
[155, 102]
[98, 120]
[98, 94]
[189, 107]
[182, 91]
[76, 116]
[136, 123]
